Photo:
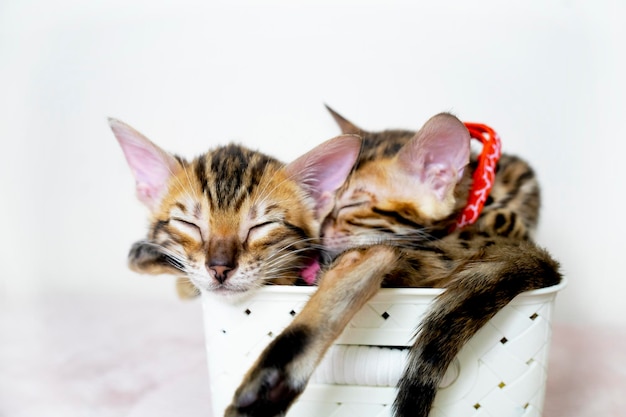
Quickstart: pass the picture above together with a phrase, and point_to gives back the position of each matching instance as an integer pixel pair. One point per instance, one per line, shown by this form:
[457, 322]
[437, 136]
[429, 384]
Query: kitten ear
[346, 126]
[152, 167]
[325, 168]
[438, 154]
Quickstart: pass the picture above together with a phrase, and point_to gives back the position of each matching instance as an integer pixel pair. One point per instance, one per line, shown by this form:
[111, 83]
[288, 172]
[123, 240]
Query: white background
[548, 75]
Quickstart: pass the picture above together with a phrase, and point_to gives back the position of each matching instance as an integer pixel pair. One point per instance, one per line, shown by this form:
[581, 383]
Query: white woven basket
[501, 372]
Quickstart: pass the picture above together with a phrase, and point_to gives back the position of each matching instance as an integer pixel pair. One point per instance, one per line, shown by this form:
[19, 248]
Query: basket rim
[305, 290]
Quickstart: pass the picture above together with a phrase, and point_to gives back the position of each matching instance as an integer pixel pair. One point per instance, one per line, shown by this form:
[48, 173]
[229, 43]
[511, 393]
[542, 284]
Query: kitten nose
[222, 257]
[221, 272]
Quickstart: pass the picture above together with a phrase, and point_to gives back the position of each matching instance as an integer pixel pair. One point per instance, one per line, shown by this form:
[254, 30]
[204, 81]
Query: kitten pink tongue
[309, 273]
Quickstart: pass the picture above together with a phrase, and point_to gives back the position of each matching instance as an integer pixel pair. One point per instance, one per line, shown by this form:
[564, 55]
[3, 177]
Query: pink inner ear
[325, 168]
[438, 153]
[440, 179]
[148, 165]
[151, 166]
[334, 168]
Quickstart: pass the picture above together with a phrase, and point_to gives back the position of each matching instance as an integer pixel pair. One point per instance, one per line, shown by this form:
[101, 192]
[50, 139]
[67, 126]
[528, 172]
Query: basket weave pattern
[501, 372]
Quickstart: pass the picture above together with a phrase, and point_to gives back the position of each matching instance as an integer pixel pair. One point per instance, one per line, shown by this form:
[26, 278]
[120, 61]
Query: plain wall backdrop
[548, 75]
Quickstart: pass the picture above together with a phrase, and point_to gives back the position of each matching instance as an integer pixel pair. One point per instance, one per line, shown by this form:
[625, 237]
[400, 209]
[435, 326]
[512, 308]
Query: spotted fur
[390, 226]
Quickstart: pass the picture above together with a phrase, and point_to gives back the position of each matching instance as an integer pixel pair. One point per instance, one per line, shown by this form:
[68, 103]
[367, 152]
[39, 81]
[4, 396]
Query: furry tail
[481, 288]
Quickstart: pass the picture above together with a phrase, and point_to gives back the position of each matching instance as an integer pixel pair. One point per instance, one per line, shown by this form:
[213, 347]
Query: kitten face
[232, 227]
[373, 208]
[404, 184]
[233, 219]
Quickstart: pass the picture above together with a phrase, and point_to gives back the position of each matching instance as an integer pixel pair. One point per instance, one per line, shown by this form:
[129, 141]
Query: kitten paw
[272, 385]
[267, 394]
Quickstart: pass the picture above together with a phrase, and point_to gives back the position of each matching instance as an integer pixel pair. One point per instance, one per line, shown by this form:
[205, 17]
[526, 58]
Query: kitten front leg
[283, 370]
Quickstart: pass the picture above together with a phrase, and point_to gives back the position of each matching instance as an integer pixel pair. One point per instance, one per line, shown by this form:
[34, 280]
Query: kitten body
[392, 225]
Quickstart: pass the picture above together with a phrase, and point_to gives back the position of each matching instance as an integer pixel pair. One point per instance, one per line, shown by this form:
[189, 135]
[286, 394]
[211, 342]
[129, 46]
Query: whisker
[310, 180]
[173, 258]
[264, 194]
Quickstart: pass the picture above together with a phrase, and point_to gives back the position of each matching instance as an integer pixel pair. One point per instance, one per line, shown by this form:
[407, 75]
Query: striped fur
[384, 234]
[232, 219]
[223, 196]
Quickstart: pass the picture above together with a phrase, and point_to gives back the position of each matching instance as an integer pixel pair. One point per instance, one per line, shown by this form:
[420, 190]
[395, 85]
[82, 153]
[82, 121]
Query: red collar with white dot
[484, 174]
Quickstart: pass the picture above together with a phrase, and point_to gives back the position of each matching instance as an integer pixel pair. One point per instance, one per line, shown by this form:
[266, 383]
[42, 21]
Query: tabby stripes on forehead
[383, 144]
[201, 175]
[257, 166]
[230, 174]
[227, 167]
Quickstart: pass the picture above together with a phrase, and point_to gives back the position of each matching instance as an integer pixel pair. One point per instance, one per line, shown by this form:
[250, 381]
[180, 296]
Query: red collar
[484, 175]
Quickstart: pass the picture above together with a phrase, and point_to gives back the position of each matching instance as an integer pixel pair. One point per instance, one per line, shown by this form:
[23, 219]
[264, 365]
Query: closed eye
[187, 227]
[342, 210]
[397, 217]
[259, 230]
[351, 205]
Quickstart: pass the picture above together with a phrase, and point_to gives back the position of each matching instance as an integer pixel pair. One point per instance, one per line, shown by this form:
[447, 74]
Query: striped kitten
[232, 219]
[391, 226]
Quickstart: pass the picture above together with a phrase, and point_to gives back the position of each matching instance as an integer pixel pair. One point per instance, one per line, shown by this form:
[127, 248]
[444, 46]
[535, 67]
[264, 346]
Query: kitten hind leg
[285, 366]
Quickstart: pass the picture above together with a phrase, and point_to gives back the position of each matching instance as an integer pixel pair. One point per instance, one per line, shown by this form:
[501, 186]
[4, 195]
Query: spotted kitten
[392, 225]
[232, 219]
